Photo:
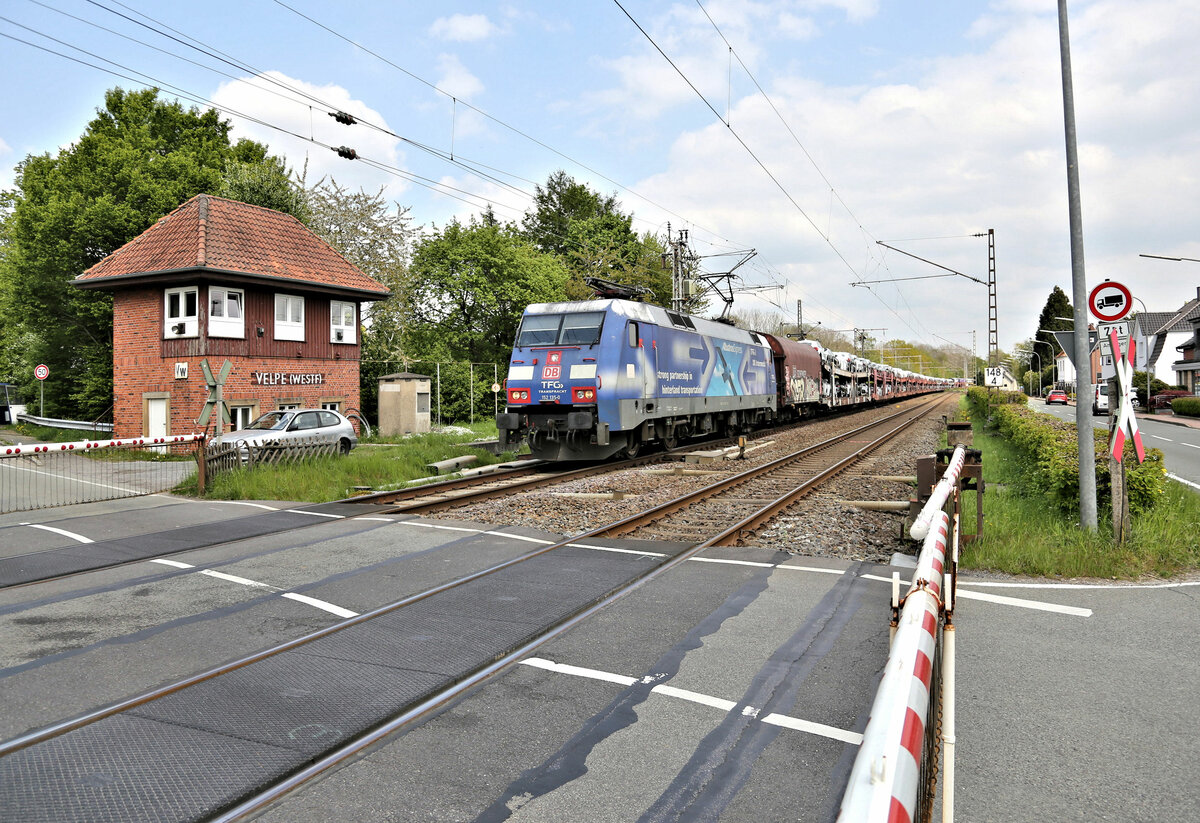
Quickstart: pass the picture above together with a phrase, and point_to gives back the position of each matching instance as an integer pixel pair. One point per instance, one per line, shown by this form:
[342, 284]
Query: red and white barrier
[885, 780]
[941, 493]
[85, 445]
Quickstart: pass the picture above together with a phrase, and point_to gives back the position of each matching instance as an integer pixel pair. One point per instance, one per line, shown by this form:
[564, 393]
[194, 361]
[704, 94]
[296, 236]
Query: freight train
[595, 378]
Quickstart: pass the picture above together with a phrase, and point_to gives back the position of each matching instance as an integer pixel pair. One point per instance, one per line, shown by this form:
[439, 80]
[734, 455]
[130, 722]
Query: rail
[894, 776]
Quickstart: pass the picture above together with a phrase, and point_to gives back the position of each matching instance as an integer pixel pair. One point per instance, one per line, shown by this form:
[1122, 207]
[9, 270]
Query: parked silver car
[297, 424]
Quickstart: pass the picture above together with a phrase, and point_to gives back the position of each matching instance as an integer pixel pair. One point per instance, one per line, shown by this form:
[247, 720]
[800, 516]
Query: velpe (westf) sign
[275, 378]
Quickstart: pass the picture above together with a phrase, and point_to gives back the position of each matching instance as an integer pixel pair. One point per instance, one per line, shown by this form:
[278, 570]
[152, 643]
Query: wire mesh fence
[462, 390]
[60, 474]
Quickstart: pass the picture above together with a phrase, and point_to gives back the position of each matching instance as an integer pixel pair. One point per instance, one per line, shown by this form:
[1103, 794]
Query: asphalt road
[1075, 703]
[1179, 444]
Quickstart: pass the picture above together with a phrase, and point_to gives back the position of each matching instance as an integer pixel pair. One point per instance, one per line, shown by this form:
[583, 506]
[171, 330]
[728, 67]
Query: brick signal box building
[220, 280]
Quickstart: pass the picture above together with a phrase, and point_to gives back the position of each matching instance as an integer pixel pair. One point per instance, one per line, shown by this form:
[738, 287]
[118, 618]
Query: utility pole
[860, 339]
[799, 320]
[993, 326]
[1079, 291]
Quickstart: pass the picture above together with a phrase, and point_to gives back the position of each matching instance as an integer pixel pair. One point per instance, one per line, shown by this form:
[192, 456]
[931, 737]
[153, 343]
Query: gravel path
[819, 525]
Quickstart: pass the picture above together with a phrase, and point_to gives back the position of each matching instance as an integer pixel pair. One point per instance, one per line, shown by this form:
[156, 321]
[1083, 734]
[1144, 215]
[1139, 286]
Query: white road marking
[77, 537]
[520, 537]
[232, 578]
[815, 570]
[439, 526]
[1166, 439]
[616, 550]
[594, 674]
[255, 505]
[320, 604]
[1179, 479]
[254, 584]
[814, 728]
[316, 514]
[697, 697]
[174, 563]
[380, 519]
[964, 594]
[1191, 445]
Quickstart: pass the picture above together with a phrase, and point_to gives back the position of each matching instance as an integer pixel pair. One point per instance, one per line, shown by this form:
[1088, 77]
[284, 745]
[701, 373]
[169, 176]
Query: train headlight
[583, 395]
[518, 395]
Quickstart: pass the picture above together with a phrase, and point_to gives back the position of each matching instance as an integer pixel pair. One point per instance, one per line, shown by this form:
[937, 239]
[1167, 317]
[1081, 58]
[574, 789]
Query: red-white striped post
[939, 496]
[885, 781]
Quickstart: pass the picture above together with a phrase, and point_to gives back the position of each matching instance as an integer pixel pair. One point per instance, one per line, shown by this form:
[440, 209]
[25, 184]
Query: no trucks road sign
[1110, 301]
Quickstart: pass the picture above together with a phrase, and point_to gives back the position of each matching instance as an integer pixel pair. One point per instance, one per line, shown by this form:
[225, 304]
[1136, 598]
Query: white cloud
[463, 28]
[974, 141]
[299, 115]
[455, 79]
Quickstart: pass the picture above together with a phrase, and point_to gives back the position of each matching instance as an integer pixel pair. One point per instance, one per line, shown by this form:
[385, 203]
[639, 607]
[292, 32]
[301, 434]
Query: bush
[1051, 447]
[1189, 406]
[1163, 400]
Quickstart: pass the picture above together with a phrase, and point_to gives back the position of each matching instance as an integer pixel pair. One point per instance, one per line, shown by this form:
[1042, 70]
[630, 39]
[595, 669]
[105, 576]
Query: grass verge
[1024, 535]
[375, 463]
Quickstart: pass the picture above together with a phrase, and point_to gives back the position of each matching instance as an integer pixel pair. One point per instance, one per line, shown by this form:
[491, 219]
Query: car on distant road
[1057, 396]
[283, 425]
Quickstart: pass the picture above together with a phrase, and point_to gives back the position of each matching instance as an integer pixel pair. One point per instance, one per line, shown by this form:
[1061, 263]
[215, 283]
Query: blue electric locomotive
[595, 378]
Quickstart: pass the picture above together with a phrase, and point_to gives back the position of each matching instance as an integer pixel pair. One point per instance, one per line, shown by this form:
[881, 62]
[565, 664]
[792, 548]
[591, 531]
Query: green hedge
[1052, 449]
[1189, 406]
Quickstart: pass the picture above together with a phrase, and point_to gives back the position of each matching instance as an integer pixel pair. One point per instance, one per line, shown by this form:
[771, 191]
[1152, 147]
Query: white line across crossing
[783, 721]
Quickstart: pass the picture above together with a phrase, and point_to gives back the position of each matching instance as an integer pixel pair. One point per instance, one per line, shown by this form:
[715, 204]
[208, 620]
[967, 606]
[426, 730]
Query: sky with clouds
[808, 130]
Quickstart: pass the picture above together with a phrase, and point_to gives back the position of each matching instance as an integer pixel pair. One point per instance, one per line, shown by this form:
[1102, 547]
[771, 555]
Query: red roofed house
[221, 280]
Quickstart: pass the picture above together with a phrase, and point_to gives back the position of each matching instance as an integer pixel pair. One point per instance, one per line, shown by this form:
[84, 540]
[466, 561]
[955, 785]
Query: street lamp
[1032, 353]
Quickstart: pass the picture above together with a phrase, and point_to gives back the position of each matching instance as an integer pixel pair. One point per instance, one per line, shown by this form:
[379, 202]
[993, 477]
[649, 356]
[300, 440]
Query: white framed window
[288, 406]
[342, 326]
[331, 405]
[181, 316]
[240, 416]
[289, 317]
[225, 315]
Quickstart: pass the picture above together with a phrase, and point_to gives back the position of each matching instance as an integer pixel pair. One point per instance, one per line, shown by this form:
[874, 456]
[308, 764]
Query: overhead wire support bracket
[930, 262]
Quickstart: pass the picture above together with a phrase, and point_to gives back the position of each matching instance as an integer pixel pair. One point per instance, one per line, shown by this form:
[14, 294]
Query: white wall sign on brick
[181, 371]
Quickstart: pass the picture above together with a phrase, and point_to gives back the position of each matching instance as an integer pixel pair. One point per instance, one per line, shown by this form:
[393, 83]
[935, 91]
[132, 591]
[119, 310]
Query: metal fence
[45, 475]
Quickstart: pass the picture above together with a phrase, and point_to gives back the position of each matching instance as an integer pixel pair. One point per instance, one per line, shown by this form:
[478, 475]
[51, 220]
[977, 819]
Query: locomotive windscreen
[575, 329]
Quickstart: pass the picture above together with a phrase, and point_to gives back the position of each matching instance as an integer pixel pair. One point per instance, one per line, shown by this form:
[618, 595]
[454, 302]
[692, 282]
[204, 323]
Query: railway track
[726, 511]
[749, 500]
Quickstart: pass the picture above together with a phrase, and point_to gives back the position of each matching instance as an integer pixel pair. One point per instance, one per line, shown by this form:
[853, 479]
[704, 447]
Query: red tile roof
[221, 236]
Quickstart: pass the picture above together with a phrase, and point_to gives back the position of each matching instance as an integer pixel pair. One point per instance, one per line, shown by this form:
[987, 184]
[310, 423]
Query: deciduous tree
[468, 287]
[138, 159]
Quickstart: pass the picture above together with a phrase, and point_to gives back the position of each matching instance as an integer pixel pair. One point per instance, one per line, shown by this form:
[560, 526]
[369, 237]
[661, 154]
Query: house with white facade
[1158, 336]
[1187, 367]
